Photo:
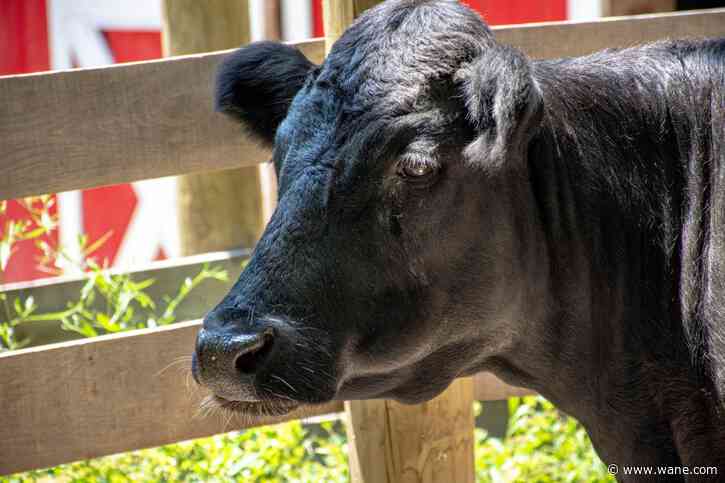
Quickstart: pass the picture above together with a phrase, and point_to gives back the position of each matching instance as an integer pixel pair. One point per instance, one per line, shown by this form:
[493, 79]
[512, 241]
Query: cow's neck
[605, 188]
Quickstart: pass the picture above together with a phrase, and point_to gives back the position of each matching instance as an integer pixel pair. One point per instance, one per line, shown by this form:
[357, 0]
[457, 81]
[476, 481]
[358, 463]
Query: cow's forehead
[399, 47]
[382, 67]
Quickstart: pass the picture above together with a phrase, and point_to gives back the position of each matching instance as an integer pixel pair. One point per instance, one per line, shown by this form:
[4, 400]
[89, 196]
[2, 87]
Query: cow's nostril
[252, 357]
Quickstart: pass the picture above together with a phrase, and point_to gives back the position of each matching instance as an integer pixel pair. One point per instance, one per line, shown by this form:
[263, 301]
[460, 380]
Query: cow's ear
[256, 85]
[504, 106]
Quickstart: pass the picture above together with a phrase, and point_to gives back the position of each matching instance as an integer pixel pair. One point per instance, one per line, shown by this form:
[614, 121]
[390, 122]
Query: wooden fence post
[271, 29]
[217, 210]
[391, 442]
[432, 442]
[616, 8]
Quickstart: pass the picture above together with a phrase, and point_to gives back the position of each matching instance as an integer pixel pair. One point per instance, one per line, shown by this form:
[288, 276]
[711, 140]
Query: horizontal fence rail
[84, 128]
[93, 397]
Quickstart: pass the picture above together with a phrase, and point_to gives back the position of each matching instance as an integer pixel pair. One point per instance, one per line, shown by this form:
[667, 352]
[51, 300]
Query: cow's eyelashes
[417, 170]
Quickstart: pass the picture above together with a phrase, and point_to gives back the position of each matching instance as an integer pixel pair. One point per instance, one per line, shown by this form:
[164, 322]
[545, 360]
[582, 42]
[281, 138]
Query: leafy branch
[107, 302]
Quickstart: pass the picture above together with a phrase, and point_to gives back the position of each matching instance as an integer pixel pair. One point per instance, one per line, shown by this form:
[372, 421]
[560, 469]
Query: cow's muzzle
[235, 355]
[257, 363]
[227, 363]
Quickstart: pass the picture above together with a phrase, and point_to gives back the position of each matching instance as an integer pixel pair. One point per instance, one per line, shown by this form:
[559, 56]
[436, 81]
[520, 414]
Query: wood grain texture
[367, 435]
[91, 127]
[359, 6]
[569, 39]
[337, 16]
[93, 397]
[89, 398]
[272, 27]
[431, 442]
[193, 27]
[220, 210]
[636, 7]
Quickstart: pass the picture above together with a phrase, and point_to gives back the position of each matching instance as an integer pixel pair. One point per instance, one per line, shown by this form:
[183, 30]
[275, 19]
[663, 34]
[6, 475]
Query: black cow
[449, 206]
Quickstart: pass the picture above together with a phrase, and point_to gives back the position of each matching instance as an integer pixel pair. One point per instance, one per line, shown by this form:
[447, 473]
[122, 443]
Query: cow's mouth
[254, 409]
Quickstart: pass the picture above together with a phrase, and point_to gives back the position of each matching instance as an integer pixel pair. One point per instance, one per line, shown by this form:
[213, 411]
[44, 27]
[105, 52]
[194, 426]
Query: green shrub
[541, 445]
[285, 452]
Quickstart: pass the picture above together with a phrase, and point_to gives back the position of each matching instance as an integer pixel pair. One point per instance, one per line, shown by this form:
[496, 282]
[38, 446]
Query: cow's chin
[404, 389]
[268, 408]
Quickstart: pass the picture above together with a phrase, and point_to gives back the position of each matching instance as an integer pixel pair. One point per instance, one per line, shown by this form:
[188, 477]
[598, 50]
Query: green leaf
[88, 287]
[17, 305]
[29, 306]
[145, 301]
[106, 323]
[37, 232]
[143, 285]
[89, 250]
[82, 240]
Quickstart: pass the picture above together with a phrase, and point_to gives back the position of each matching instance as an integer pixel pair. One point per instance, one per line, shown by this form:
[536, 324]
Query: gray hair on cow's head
[448, 206]
[503, 102]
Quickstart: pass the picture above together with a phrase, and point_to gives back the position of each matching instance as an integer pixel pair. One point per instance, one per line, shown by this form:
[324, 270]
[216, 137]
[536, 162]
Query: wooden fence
[85, 128]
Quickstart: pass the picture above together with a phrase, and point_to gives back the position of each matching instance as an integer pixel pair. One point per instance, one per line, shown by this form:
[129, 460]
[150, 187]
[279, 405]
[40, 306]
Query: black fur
[503, 102]
[256, 84]
[569, 235]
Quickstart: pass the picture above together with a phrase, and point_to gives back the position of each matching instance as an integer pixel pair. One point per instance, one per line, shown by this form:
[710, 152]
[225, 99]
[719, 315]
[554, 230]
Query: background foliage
[541, 444]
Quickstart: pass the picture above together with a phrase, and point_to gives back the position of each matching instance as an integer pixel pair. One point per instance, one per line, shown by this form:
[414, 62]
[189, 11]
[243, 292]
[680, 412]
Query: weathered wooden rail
[85, 128]
[93, 397]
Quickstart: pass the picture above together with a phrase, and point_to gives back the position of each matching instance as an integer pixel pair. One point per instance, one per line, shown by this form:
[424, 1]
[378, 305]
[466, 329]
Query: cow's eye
[417, 169]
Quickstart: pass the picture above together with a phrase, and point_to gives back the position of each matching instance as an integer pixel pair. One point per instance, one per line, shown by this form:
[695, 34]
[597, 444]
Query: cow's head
[398, 257]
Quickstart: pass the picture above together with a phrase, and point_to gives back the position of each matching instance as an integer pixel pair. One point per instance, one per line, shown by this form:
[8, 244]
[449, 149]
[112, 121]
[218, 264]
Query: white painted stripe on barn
[112, 14]
[296, 21]
[70, 217]
[257, 20]
[584, 9]
[154, 224]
